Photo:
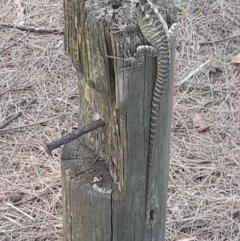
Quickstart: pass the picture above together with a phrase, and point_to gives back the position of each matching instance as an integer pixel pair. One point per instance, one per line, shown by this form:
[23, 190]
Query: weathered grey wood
[87, 213]
[115, 210]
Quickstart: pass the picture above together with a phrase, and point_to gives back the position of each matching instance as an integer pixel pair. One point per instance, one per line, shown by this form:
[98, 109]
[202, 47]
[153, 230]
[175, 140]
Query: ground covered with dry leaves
[204, 184]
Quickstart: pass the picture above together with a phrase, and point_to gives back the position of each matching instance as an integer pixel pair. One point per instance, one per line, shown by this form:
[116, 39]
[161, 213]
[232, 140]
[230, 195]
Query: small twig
[31, 28]
[95, 160]
[29, 125]
[72, 136]
[3, 50]
[221, 40]
[15, 116]
[5, 91]
[192, 73]
[13, 221]
[196, 224]
[12, 87]
[19, 210]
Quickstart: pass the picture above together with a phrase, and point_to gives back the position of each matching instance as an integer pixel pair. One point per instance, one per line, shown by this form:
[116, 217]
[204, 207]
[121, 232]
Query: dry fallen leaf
[199, 123]
[236, 59]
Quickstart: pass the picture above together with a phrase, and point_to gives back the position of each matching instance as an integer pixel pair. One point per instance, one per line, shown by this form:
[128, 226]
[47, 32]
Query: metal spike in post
[72, 136]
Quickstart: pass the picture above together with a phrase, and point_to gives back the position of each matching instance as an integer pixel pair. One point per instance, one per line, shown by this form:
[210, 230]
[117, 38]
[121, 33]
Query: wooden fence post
[105, 200]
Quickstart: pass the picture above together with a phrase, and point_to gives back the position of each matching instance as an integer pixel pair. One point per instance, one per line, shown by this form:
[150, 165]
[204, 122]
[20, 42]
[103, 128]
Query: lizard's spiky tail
[162, 76]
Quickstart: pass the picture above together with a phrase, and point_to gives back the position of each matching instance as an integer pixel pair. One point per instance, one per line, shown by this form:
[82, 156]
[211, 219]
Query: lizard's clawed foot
[118, 28]
[128, 58]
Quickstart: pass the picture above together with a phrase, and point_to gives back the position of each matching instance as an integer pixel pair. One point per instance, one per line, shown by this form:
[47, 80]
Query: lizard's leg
[138, 58]
[121, 31]
[124, 29]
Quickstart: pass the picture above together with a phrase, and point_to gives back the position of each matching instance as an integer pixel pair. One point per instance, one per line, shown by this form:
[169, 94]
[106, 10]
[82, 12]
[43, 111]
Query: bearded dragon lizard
[156, 32]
